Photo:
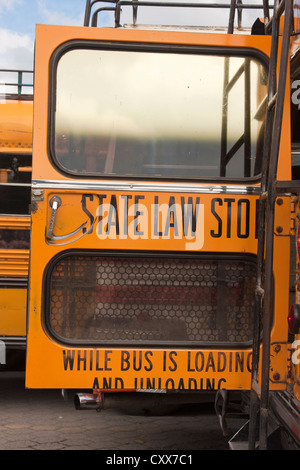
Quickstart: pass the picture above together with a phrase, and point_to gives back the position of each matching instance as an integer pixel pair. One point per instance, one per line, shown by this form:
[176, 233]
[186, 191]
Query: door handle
[55, 203]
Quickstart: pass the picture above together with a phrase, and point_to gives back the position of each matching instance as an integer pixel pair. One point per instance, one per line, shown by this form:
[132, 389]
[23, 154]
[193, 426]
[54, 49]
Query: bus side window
[15, 184]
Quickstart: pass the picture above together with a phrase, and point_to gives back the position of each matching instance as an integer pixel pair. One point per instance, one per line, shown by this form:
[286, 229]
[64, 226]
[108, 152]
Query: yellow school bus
[162, 210]
[16, 114]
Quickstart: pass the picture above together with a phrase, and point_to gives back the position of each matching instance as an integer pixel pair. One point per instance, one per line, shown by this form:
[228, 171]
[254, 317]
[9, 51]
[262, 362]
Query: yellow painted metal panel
[14, 263]
[16, 126]
[13, 311]
[14, 222]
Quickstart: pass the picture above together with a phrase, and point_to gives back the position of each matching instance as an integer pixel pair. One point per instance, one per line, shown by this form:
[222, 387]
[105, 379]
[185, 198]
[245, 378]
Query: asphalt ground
[44, 420]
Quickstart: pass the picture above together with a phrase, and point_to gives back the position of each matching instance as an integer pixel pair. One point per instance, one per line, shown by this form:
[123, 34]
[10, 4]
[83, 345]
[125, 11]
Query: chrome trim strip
[11, 185]
[175, 187]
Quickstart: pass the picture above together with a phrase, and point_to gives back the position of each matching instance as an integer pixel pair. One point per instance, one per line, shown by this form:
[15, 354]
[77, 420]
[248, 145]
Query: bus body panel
[16, 118]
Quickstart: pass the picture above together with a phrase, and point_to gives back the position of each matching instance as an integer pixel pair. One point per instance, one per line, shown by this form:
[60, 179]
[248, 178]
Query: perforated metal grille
[152, 300]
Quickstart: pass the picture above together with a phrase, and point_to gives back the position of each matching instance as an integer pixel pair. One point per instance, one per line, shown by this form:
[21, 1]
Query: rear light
[298, 240]
[294, 319]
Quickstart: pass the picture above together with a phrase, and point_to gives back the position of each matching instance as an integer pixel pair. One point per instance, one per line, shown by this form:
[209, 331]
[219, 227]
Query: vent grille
[152, 300]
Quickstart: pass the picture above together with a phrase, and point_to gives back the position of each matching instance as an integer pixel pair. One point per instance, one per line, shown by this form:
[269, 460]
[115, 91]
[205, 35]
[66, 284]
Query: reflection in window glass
[154, 114]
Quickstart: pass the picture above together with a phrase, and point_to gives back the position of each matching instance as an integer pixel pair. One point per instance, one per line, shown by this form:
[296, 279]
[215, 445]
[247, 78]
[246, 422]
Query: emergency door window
[150, 300]
[158, 114]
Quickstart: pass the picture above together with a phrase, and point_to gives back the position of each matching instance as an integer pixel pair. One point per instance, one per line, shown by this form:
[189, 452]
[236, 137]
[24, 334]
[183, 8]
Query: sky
[17, 26]
[19, 17]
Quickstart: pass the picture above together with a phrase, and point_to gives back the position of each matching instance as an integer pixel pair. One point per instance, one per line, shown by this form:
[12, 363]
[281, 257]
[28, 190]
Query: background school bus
[16, 115]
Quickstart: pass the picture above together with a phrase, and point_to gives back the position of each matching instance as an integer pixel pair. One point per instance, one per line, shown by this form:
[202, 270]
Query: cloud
[7, 5]
[58, 17]
[16, 50]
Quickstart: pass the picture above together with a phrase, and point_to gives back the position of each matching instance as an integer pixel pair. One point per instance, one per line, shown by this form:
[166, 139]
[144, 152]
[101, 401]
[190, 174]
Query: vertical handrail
[259, 292]
[239, 11]
[88, 10]
[274, 152]
[224, 118]
[19, 83]
[264, 297]
[231, 16]
[134, 11]
[266, 11]
[247, 120]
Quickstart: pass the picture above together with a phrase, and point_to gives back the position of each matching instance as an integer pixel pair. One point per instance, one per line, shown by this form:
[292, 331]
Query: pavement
[43, 420]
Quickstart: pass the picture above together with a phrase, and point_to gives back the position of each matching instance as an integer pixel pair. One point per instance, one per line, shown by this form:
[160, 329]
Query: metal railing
[92, 11]
[16, 84]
